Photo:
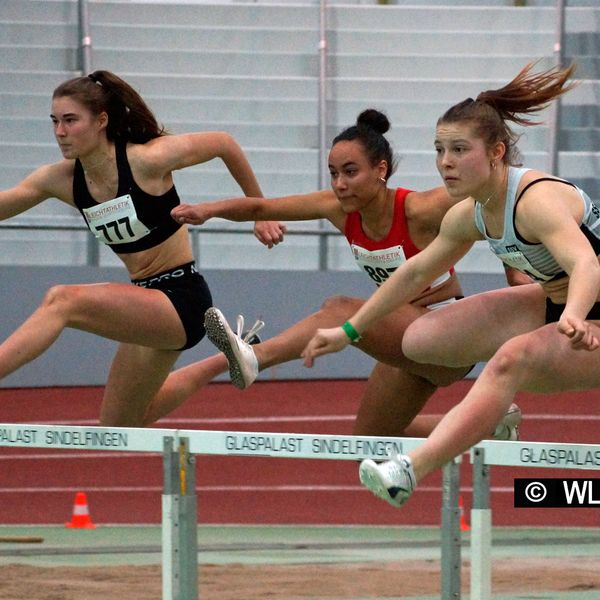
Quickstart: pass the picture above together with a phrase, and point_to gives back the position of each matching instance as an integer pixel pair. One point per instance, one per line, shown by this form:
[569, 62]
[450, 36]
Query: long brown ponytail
[492, 110]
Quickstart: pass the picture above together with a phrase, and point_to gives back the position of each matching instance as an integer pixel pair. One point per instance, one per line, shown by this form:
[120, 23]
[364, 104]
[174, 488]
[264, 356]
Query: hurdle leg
[179, 522]
[481, 529]
[451, 536]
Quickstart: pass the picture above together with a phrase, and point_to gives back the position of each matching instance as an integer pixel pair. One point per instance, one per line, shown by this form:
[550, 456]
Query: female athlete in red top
[384, 226]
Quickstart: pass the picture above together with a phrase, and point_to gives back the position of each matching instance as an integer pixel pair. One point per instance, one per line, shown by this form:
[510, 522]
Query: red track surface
[38, 485]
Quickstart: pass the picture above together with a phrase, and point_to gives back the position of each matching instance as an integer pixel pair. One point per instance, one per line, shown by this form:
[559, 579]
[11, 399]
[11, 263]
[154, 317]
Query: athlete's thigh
[127, 313]
[136, 375]
[383, 339]
[472, 329]
[552, 365]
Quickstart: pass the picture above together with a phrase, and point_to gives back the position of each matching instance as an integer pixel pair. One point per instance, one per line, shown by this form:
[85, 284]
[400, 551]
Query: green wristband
[351, 332]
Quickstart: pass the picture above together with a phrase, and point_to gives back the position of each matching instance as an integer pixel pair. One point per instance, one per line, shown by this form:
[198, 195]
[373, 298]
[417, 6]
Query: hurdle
[179, 449]
[511, 454]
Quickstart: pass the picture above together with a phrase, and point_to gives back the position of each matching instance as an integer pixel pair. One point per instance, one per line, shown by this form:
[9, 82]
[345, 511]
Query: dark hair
[491, 111]
[370, 126]
[129, 118]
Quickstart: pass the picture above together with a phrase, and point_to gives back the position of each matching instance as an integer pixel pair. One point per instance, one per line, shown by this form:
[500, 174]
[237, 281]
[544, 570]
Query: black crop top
[134, 220]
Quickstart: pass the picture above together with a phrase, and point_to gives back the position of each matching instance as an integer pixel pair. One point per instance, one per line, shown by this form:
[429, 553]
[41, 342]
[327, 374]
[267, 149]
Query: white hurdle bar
[512, 454]
[179, 500]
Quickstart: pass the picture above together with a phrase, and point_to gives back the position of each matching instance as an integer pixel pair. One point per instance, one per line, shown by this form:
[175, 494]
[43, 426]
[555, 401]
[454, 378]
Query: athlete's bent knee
[344, 306]
[514, 357]
[61, 298]
[56, 295]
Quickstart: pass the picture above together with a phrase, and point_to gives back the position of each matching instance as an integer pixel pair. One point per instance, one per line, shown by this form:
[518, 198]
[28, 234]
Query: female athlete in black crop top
[117, 171]
[134, 220]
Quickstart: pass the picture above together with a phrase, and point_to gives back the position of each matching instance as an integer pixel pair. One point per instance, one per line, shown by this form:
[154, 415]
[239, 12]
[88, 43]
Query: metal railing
[196, 232]
[85, 38]
[554, 123]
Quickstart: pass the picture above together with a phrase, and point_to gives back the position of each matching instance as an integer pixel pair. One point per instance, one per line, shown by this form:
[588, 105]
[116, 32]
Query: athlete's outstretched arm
[301, 207]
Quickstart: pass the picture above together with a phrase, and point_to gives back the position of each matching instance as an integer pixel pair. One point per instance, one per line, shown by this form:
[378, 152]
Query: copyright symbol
[535, 491]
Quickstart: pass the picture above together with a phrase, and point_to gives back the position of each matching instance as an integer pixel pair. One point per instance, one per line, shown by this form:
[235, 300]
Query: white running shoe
[393, 480]
[508, 428]
[243, 364]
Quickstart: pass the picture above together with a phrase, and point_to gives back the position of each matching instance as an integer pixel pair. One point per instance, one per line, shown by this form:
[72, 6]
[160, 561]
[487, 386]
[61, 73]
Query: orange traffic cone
[464, 526]
[81, 514]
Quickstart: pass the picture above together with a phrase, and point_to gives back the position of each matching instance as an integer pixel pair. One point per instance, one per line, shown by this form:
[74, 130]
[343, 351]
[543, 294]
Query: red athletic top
[379, 259]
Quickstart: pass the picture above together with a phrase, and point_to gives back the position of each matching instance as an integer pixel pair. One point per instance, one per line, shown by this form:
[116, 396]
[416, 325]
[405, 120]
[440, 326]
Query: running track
[38, 485]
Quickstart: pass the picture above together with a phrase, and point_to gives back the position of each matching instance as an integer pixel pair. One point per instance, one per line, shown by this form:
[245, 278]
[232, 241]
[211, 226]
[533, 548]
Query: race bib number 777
[115, 221]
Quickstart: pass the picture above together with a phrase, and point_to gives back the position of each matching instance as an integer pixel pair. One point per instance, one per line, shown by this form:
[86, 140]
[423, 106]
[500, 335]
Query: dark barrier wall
[279, 298]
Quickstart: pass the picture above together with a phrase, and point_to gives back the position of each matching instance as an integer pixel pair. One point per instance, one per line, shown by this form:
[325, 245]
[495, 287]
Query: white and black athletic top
[534, 259]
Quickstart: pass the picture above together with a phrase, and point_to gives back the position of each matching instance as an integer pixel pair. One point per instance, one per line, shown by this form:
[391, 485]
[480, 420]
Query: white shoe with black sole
[243, 364]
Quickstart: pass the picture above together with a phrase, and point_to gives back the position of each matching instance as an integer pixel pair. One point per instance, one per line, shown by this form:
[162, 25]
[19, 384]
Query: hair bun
[374, 119]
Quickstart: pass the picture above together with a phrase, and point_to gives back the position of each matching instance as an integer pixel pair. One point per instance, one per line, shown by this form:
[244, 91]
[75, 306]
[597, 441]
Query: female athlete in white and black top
[534, 259]
[117, 170]
[551, 233]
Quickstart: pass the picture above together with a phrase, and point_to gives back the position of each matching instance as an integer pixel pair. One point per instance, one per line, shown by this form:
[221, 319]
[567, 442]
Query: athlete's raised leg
[120, 312]
[541, 361]
[452, 335]
[286, 346]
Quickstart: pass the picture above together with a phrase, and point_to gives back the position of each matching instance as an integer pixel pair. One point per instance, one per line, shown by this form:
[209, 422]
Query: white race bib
[115, 221]
[519, 261]
[380, 264]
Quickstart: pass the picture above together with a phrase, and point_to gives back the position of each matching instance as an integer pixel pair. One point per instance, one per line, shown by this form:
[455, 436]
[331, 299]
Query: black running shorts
[189, 294]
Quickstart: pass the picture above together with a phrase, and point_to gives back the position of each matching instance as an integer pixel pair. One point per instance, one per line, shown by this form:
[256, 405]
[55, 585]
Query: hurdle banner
[179, 500]
[511, 454]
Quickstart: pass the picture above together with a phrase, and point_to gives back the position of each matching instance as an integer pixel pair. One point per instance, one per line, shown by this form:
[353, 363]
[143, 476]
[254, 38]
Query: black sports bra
[134, 220]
